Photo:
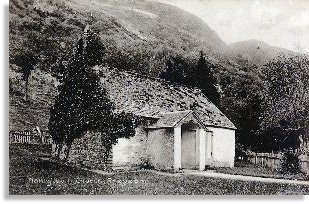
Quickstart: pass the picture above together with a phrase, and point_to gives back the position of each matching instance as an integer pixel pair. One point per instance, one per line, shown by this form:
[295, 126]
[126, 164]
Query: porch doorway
[189, 147]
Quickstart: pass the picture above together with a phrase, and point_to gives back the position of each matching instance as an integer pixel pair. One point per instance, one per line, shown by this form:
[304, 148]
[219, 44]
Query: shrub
[290, 163]
[146, 165]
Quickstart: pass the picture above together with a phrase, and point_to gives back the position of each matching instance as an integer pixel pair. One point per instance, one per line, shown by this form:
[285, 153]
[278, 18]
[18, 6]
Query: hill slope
[147, 32]
[256, 51]
[138, 37]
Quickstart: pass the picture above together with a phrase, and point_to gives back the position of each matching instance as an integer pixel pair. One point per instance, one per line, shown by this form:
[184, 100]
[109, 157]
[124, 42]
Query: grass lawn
[31, 176]
[243, 168]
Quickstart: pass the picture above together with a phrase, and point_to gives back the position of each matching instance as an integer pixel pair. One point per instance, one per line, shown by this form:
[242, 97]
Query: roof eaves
[201, 122]
[226, 127]
[158, 127]
[148, 116]
[179, 121]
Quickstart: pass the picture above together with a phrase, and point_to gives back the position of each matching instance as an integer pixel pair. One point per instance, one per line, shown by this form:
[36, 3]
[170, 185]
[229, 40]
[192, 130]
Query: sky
[280, 23]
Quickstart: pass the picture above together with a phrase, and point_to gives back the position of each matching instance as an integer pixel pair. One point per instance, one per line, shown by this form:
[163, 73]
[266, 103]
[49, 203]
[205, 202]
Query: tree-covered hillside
[143, 37]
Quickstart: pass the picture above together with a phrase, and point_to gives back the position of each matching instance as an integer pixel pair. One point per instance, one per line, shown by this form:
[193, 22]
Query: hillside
[138, 37]
[30, 110]
[147, 32]
[256, 51]
[155, 22]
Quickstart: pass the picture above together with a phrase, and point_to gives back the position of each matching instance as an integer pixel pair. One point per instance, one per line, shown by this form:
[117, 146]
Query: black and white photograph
[158, 97]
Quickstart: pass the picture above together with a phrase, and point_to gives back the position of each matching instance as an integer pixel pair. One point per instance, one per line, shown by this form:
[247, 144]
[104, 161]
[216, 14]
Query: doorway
[189, 147]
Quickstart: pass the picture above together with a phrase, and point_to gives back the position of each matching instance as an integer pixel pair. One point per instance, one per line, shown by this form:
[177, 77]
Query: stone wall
[88, 152]
[160, 148]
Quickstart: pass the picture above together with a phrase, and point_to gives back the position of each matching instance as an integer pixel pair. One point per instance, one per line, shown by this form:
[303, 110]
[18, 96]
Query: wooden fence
[29, 137]
[274, 161]
[270, 160]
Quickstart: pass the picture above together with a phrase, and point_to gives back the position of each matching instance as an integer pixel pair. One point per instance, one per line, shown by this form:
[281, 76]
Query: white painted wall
[223, 149]
[130, 152]
[160, 148]
[177, 148]
[202, 148]
[208, 149]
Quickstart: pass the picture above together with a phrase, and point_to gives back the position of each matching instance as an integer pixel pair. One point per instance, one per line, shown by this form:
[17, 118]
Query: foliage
[202, 77]
[94, 50]
[285, 108]
[82, 104]
[277, 139]
[257, 108]
[271, 115]
[176, 70]
[200, 74]
[240, 150]
[249, 120]
[290, 163]
[146, 165]
[287, 85]
[27, 62]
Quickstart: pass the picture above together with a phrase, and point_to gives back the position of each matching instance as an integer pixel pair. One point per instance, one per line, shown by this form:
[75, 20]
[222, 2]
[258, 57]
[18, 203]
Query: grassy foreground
[247, 169]
[28, 175]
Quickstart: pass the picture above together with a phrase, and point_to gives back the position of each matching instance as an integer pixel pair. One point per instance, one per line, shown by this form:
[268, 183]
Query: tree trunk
[106, 154]
[59, 150]
[69, 145]
[26, 89]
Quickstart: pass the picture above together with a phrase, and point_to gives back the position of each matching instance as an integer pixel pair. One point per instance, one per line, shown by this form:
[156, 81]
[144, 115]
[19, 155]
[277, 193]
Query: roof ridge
[166, 82]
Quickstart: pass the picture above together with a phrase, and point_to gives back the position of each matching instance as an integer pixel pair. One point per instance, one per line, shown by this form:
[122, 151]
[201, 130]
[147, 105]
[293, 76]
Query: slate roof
[170, 119]
[152, 97]
[174, 119]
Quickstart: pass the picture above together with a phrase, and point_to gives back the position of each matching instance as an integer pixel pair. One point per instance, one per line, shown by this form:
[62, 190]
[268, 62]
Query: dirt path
[212, 174]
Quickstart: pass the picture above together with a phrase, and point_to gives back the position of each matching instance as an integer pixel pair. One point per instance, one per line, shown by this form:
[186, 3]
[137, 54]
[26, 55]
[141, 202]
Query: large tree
[27, 62]
[200, 74]
[286, 105]
[176, 70]
[83, 104]
[202, 77]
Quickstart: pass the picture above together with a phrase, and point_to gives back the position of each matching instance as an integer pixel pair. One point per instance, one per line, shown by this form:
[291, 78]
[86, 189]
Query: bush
[290, 163]
[146, 165]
